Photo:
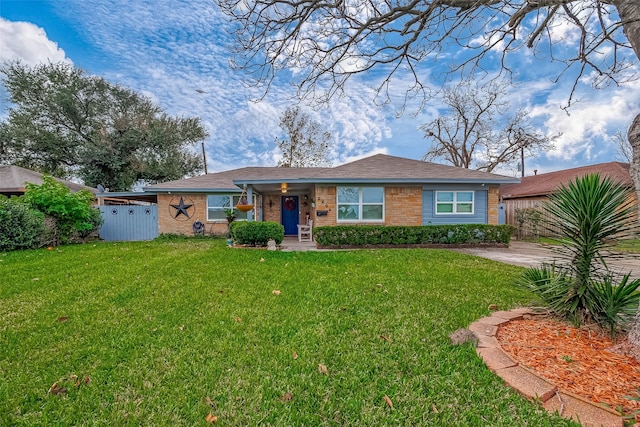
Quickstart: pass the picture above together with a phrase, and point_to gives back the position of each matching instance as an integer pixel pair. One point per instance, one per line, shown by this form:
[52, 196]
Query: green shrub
[371, 235]
[256, 233]
[21, 227]
[590, 212]
[72, 211]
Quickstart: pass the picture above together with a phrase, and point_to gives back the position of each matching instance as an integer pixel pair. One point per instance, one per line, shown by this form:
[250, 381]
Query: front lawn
[165, 333]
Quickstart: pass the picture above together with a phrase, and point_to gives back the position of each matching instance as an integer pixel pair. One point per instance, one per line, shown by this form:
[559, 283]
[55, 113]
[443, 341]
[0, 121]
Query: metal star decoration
[181, 208]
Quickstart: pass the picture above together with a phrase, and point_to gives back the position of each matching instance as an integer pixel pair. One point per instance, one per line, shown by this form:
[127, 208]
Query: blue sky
[173, 50]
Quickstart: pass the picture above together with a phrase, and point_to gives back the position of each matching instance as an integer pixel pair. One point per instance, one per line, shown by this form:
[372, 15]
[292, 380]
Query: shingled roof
[380, 168]
[546, 183]
[13, 180]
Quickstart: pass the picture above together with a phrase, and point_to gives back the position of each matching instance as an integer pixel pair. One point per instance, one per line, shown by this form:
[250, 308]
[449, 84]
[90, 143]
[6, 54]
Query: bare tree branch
[468, 135]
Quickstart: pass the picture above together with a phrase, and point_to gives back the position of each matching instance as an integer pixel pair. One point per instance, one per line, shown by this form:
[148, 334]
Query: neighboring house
[534, 190]
[13, 181]
[380, 189]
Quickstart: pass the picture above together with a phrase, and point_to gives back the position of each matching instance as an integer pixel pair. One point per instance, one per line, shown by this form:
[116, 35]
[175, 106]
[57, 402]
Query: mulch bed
[581, 361]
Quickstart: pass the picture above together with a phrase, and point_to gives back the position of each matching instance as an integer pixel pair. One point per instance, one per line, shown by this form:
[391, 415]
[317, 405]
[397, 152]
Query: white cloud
[587, 129]
[28, 43]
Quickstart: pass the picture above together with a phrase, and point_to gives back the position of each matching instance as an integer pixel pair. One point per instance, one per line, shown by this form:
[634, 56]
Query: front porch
[291, 244]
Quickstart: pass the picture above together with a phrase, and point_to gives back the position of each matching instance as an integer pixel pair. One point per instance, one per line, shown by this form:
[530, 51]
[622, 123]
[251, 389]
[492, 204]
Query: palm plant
[590, 213]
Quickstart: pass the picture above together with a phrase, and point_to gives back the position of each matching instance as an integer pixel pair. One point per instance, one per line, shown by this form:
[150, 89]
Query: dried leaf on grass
[275, 292]
[323, 368]
[62, 319]
[388, 401]
[56, 389]
[211, 419]
[295, 355]
[286, 397]
[63, 385]
[434, 409]
[385, 337]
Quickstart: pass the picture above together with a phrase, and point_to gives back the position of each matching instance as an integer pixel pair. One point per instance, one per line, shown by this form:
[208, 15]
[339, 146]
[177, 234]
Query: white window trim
[455, 203]
[231, 196]
[360, 205]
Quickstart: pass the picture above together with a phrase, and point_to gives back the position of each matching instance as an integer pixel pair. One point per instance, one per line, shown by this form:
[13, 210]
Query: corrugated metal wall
[127, 223]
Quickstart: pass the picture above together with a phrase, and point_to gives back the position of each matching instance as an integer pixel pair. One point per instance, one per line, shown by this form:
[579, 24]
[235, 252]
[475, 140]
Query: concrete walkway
[526, 254]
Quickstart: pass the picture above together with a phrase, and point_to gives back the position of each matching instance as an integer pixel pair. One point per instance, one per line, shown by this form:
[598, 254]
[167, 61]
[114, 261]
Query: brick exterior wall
[403, 205]
[493, 196]
[325, 201]
[168, 223]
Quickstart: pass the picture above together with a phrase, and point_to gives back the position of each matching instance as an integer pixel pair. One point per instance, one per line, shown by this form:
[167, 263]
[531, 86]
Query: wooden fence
[528, 227]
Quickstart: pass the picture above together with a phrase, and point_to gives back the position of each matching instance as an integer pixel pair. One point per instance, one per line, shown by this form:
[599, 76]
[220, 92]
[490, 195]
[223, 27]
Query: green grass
[159, 327]
[628, 245]
[624, 245]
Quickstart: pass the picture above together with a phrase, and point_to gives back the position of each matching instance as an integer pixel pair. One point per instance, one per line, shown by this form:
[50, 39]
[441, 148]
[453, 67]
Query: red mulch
[581, 361]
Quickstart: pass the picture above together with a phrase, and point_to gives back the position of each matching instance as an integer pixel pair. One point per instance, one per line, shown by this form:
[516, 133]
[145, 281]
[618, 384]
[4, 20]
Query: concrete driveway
[527, 254]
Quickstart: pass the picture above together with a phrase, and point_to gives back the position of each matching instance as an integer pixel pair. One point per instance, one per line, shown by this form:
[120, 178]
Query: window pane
[444, 208]
[215, 214]
[464, 208]
[347, 211]
[239, 214]
[465, 196]
[444, 196]
[348, 195]
[372, 195]
[217, 201]
[372, 212]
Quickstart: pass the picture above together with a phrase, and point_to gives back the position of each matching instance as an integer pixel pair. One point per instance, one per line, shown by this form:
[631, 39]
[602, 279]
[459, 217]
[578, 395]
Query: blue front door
[289, 209]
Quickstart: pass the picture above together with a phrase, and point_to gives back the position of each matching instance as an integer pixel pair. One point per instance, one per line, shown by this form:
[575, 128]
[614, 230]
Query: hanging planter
[243, 205]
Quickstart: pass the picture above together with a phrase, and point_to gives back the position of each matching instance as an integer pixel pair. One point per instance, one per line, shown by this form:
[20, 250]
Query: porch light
[283, 187]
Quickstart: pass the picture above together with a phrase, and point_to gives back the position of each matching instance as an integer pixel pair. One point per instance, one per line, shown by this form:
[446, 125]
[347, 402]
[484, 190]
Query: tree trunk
[629, 11]
[634, 139]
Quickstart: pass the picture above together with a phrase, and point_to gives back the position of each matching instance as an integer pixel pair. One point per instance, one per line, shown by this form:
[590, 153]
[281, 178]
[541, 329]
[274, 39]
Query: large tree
[67, 123]
[306, 143]
[478, 130]
[327, 42]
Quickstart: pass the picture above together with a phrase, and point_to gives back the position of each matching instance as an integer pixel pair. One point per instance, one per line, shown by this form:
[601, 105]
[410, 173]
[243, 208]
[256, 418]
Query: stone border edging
[528, 383]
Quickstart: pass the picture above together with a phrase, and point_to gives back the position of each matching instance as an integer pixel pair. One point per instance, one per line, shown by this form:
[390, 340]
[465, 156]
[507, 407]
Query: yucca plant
[589, 212]
[613, 305]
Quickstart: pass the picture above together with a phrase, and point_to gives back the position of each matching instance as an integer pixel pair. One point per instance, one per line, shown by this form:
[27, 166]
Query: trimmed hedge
[451, 234]
[256, 233]
[21, 227]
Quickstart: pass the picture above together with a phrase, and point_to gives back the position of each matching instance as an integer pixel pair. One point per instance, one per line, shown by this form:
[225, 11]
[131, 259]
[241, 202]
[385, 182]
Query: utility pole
[204, 158]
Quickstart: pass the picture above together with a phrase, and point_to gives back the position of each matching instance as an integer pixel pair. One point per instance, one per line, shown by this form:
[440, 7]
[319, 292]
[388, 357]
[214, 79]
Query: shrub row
[453, 234]
[256, 233]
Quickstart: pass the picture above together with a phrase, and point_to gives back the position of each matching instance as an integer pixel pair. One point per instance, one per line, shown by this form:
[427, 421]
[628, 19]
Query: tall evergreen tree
[67, 123]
